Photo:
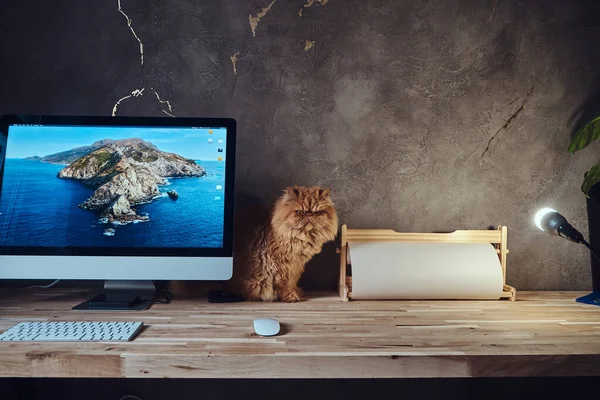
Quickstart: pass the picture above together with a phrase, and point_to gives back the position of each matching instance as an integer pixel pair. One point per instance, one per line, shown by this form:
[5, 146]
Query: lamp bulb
[540, 214]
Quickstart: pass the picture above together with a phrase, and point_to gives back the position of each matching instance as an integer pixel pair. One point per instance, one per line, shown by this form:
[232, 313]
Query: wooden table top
[541, 334]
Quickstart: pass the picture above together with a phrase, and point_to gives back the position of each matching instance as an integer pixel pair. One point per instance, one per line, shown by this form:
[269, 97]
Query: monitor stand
[122, 295]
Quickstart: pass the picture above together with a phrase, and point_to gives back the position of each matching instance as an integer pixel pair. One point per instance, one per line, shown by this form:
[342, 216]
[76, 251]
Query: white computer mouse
[266, 326]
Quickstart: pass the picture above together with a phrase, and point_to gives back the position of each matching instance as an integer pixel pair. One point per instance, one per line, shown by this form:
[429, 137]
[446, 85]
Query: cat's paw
[291, 296]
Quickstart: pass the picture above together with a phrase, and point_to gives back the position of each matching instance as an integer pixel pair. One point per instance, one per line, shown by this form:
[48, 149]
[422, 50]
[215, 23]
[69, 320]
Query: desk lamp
[551, 221]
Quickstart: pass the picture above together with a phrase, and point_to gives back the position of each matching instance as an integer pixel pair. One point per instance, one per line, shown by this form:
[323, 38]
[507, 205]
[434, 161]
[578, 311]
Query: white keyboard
[72, 331]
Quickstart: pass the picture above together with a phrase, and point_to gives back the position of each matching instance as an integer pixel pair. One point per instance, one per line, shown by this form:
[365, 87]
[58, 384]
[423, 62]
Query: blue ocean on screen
[39, 209]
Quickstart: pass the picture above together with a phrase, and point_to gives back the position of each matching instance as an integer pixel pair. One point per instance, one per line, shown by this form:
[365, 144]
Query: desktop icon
[210, 131]
[220, 141]
[217, 197]
[220, 159]
[219, 187]
[220, 150]
[210, 140]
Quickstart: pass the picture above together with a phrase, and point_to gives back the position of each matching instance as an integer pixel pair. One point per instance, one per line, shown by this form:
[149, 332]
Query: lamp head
[551, 221]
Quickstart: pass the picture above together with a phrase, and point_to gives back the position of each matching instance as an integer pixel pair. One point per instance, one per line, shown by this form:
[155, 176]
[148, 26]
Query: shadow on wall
[250, 213]
[589, 109]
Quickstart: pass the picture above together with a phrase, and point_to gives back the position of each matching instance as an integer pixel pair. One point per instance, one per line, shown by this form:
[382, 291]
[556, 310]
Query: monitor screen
[114, 190]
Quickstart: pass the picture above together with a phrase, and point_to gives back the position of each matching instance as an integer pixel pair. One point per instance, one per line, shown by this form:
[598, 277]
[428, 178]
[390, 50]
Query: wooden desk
[541, 334]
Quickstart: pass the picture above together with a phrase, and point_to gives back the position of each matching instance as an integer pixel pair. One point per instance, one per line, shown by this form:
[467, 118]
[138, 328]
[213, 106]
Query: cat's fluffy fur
[303, 220]
[270, 263]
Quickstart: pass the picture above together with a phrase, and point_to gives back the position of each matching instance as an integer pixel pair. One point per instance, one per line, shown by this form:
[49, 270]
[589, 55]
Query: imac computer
[124, 200]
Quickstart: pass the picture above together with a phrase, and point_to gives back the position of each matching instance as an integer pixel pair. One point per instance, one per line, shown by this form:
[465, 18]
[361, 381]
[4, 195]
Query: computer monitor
[116, 198]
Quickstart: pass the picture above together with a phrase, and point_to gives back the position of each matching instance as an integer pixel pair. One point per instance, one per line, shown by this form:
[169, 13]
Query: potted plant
[591, 188]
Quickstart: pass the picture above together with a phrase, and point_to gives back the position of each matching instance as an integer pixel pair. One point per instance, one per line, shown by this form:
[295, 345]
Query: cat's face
[306, 210]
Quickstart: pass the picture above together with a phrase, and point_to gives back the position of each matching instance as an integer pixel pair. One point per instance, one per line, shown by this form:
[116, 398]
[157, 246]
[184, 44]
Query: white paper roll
[393, 270]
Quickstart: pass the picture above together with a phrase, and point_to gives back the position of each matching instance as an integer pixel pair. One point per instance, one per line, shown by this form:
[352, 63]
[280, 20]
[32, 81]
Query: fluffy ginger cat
[303, 220]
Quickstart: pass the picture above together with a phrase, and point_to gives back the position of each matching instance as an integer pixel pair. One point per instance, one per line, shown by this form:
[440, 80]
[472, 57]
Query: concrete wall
[420, 115]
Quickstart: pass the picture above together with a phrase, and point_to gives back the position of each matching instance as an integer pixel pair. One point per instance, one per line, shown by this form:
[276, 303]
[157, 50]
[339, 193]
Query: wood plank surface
[541, 334]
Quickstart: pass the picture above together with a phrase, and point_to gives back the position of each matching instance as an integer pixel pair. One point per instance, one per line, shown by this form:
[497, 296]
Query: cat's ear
[292, 193]
[325, 194]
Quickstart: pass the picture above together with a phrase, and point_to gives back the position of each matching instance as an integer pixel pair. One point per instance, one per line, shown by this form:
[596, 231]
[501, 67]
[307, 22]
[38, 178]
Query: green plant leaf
[591, 178]
[586, 135]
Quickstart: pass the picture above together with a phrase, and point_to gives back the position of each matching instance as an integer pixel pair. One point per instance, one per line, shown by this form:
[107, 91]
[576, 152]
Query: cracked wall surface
[420, 116]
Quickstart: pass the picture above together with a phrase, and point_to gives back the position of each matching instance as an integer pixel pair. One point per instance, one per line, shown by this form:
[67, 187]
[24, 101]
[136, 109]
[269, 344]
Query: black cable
[586, 244]
[44, 286]
[167, 299]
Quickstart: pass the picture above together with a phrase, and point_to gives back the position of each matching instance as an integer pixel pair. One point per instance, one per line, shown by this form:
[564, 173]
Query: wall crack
[234, 59]
[255, 20]
[508, 121]
[167, 102]
[310, 3]
[132, 31]
[135, 93]
[493, 11]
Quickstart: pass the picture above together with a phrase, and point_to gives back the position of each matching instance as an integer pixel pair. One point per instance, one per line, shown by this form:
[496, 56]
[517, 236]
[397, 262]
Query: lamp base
[592, 298]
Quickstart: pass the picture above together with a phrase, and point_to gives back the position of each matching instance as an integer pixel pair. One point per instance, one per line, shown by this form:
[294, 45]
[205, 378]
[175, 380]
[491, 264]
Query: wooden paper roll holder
[498, 238]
